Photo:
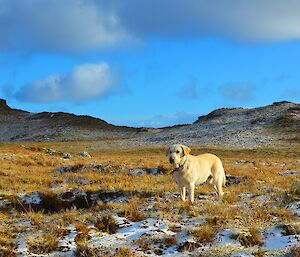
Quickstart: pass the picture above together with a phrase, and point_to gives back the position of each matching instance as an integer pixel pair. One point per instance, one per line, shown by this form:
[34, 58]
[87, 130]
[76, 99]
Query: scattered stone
[81, 167]
[116, 196]
[4, 203]
[136, 172]
[72, 168]
[50, 151]
[281, 164]
[66, 156]
[266, 163]
[289, 172]
[71, 196]
[188, 246]
[246, 195]
[231, 180]
[155, 171]
[243, 162]
[267, 188]
[140, 171]
[84, 154]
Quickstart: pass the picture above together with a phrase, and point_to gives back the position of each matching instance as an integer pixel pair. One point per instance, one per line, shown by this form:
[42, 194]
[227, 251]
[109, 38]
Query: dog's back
[212, 163]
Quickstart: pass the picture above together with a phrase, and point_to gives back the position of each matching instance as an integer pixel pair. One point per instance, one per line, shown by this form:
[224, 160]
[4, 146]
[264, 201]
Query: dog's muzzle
[172, 160]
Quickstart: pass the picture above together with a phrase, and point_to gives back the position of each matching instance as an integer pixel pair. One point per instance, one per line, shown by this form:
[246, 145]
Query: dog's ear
[167, 151]
[185, 149]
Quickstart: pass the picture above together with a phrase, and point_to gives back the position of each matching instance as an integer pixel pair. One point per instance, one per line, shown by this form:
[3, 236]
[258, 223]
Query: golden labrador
[192, 170]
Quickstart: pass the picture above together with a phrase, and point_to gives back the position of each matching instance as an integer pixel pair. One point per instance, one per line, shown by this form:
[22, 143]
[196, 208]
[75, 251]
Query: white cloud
[84, 82]
[94, 24]
[58, 25]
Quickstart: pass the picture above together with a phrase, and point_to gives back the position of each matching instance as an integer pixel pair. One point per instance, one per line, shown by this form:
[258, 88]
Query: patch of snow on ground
[32, 198]
[295, 207]
[224, 237]
[68, 244]
[22, 249]
[289, 172]
[152, 227]
[242, 254]
[275, 240]
[130, 231]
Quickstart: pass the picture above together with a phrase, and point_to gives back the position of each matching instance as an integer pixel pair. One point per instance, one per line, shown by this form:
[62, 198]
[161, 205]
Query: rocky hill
[241, 127]
[18, 125]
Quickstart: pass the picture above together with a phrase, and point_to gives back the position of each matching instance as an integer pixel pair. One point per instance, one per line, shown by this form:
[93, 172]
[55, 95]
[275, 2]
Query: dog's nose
[172, 159]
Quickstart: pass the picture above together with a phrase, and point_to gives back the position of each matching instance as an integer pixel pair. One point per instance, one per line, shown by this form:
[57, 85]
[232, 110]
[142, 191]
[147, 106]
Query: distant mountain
[18, 125]
[278, 123]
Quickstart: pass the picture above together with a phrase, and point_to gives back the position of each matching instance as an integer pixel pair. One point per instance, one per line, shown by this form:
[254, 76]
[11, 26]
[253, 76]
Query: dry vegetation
[255, 204]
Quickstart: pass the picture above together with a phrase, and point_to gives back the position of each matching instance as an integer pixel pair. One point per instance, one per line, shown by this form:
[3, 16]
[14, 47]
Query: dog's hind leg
[219, 178]
[218, 186]
[191, 189]
[182, 191]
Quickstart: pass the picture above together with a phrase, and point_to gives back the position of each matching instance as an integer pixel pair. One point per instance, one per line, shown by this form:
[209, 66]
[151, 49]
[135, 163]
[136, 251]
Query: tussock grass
[131, 210]
[205, 233]
[7, 243]
[107, 224]
[249, 238]
[30, 169]
[83, 250]
[45, 243]
[124, 251]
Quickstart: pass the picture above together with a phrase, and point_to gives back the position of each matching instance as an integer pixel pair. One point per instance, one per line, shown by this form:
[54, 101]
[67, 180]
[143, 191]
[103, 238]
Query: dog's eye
[177, 151]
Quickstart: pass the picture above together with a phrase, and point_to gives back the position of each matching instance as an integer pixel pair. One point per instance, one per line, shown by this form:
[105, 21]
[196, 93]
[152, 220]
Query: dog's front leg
[182, 193]
[191, 189]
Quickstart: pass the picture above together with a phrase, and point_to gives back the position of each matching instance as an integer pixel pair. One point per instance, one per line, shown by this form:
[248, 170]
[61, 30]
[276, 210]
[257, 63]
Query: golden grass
[205, 233]
[107, 224]
[31, 169]
[124, 251]
[44, 243]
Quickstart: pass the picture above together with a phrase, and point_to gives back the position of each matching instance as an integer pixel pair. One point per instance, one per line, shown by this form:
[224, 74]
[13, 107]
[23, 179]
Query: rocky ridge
[240, 127]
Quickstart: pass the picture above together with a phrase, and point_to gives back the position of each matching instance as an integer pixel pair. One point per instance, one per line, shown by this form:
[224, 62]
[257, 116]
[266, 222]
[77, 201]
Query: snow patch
[275, 240]
[289, 172]
[31, 198]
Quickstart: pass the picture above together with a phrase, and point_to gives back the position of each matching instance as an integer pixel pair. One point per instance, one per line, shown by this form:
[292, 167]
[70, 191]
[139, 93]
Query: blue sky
[148, 63]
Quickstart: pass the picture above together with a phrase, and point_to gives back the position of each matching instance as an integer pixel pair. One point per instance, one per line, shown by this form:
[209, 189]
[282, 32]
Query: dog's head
[176, 153]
